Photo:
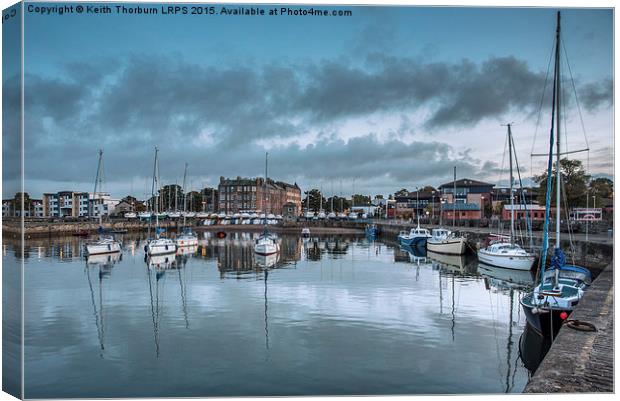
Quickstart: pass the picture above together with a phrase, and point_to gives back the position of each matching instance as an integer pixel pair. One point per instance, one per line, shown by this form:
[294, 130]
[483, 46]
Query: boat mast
[266, 195]
[184, 194]
[417, 204]
[98, 179]
[512, 204]
[558, 121]
[454, 200]
[153, 194]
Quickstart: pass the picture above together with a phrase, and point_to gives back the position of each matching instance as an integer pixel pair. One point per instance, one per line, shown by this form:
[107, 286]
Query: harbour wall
[582, 361]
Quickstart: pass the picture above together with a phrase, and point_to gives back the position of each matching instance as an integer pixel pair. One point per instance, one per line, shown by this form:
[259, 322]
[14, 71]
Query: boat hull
[100, 249]
[160, 248]
[447, 246]
[506, 261]
[183, 242]
[545, 321]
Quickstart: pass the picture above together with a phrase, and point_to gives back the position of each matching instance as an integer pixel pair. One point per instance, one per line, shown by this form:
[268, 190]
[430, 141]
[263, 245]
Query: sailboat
[266, 243]
[158, 245]
[560, 286]
[187, 238]
[106, 243]
[443, 240]
[508, 254]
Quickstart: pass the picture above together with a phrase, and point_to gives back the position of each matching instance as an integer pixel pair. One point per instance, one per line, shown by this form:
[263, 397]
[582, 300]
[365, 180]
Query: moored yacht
[445, 241]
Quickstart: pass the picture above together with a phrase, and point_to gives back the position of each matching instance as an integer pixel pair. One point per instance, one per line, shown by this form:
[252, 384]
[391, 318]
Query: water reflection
[342, 311]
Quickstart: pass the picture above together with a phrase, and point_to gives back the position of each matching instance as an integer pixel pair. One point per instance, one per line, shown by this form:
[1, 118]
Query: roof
[460, 206]
[522, 207]
[466, 182]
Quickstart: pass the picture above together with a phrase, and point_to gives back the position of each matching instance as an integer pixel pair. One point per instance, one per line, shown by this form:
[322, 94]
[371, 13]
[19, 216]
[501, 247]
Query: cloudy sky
[389, 97]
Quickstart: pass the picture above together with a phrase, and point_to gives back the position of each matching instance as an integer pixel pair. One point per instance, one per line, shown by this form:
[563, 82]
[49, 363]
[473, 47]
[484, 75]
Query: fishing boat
[187, 237]
[266, 243]
[415, 236]
[372, 231]
[507, 254]
[445, 241]
[560, 286]
[106, 242]
[158, 245]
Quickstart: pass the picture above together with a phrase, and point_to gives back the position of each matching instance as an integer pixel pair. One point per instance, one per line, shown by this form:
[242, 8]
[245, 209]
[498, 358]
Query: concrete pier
[579, 361]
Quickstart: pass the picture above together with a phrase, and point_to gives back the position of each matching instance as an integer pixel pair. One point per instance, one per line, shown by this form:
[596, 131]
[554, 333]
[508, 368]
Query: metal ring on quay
[580, 325]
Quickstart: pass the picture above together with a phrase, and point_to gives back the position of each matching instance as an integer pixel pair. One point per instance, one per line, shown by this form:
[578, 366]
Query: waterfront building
[248, 194]
[12, 207]
[210, 200]
[535, 212]
[502, 196]
[460, 211]
[101, 204]
[65, 204]
[467, 191]
[415, 204]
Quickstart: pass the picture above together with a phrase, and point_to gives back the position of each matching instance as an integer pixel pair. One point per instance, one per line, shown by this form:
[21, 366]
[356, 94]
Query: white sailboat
[158, 245]
[507, 254]
[266, 244]
[106, 243]
[445, 241]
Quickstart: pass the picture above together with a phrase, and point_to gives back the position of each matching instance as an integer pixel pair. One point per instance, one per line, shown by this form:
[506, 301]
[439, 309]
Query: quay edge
[580, 361]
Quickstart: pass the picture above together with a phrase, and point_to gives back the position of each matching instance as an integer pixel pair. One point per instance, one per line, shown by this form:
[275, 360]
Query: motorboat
[415, 236]
[445, 241]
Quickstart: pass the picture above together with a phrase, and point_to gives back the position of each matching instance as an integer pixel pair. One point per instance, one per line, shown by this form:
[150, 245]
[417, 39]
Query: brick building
[251, 194]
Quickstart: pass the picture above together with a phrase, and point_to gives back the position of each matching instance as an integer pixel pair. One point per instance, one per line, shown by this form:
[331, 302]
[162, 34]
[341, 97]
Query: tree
[340, 204]
[167, 196]
[315, 200]
[361, 200]
[401, 192]
[429, 189]
[574, 183]
[602, 188]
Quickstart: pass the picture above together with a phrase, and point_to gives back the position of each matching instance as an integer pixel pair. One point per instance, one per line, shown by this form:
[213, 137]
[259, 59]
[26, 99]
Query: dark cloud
[215, 117]
[597, 94]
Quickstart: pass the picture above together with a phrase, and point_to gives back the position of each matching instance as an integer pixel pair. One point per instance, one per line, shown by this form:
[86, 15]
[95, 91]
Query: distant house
[535, 212]
[467, 191]
[122, 207]
[460, 211]
[414, 204]
[289, 211]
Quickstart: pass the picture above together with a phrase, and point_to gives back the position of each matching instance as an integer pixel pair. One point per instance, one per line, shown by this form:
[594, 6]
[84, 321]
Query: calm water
[334, 315]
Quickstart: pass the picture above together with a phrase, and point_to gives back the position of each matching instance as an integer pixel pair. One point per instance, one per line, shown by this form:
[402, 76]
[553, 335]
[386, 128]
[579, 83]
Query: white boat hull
[506, 261]
[161, 247]
[450, 246]
[98, 249]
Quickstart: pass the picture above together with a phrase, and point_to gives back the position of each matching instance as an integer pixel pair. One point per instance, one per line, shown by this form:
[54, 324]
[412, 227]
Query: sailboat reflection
[105, 264]
[266, 261]
[506, 278]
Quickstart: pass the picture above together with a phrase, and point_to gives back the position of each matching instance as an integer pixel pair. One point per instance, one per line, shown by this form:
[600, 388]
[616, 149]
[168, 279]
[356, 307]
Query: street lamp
[433, 208]
[482, 207]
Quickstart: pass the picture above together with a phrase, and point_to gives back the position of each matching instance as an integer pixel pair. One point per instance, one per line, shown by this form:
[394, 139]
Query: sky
[388, 98]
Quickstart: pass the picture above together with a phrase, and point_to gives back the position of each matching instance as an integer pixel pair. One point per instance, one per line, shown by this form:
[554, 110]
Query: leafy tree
[574, 182]
[315, 200]
[602, 188]
[167, 196]
[340, 204]
[428, 189]
[401, 192]
[361, 200]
